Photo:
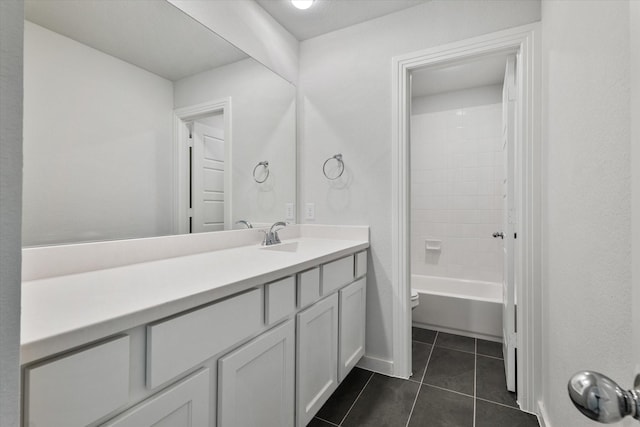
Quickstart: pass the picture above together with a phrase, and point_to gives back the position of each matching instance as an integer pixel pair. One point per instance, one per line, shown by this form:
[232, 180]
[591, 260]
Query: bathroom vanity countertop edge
[64, 312]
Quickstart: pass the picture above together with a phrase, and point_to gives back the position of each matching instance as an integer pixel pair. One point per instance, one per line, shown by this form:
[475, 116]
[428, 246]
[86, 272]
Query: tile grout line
[465, 351]
[457, 349]
[422, 379]
[414, 405]
[358, 397]
[447, 390]
[490, 357]
[475, 351]
[424, 374]
[502, 404]
[327, 421]
[475, 381]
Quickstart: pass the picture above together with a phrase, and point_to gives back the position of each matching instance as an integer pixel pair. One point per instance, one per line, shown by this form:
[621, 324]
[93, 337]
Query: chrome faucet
[271, 237]
[246, 223]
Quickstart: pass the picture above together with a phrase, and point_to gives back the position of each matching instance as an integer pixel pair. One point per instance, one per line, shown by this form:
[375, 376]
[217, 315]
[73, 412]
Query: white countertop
[62, 312]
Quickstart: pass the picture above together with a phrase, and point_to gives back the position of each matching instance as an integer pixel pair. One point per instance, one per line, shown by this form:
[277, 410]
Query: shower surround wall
[456, 184]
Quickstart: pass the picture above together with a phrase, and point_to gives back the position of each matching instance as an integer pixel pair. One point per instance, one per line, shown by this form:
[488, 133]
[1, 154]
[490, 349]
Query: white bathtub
[463, 307]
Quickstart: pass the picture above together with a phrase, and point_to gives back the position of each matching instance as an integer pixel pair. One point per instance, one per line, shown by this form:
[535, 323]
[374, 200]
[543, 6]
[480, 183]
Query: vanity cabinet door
[317, 363]
[353, 301]
[256, 381]
[184, 404]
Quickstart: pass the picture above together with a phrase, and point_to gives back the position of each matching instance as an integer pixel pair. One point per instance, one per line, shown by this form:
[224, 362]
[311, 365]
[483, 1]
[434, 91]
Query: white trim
[400, 191]
[181, 161]
[543, 416]
[384, 367]
[524, 39]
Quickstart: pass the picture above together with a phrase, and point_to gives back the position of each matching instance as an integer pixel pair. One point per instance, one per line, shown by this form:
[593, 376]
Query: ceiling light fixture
[302, 4]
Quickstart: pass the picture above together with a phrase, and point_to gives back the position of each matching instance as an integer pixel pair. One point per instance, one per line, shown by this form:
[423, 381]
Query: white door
[509, 223]
[208, 179]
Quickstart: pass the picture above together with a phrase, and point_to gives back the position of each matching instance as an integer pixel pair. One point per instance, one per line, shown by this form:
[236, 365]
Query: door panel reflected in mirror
[110, 150]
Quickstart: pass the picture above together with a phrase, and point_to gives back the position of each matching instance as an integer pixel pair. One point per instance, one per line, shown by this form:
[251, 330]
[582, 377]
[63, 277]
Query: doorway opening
[463, 222]
[203, 144]
[513, 145]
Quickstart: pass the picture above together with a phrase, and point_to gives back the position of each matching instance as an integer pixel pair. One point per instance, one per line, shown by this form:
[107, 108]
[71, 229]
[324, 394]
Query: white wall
[98, 143]
[456, 184]
[587, 273]
[635, 168]
[11, 19]
[263, 128]
[250, 28]
[345, 107]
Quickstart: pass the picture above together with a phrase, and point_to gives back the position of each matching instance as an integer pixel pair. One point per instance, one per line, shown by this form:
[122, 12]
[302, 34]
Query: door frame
[181, 158]
[526, 40]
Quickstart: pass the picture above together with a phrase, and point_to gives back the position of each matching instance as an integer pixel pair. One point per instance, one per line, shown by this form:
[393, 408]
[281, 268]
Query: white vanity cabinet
[266, 356]
[256, 381]
[330, 334]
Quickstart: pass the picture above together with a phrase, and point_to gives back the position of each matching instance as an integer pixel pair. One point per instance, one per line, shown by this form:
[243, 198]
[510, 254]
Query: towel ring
[338, 158]
[265, 165]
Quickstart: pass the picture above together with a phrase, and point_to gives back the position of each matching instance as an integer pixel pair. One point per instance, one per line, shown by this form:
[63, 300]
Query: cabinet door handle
[499, 234]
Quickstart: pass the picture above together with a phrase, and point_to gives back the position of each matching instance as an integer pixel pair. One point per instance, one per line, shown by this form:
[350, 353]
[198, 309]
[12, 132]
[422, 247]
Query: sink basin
[282, 247]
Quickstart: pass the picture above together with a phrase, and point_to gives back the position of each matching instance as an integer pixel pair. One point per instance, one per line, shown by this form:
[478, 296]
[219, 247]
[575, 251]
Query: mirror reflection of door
[208, 175]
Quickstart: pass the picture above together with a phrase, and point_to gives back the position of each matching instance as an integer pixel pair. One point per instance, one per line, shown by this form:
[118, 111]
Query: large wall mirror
[139, 121]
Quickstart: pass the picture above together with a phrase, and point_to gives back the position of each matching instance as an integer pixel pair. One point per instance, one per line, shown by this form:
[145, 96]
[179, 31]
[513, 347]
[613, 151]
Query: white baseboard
[543, 418]
[384, 367]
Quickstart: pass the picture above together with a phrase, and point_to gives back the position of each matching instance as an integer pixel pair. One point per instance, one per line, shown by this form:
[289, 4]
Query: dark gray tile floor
[457, 382]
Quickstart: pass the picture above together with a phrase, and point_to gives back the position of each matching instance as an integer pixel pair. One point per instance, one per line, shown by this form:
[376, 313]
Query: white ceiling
[485, 71]
[330, 15]
[152, 35]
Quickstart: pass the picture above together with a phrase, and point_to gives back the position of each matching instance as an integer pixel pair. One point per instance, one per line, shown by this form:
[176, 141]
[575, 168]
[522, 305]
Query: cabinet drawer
[308, 287]
[181, 343]
[78, 389]
[361, 264]
[336, 274]
[280, 299]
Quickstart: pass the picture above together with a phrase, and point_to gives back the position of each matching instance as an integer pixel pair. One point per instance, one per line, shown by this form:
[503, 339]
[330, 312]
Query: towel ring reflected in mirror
[265, 165]
[340, 166]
